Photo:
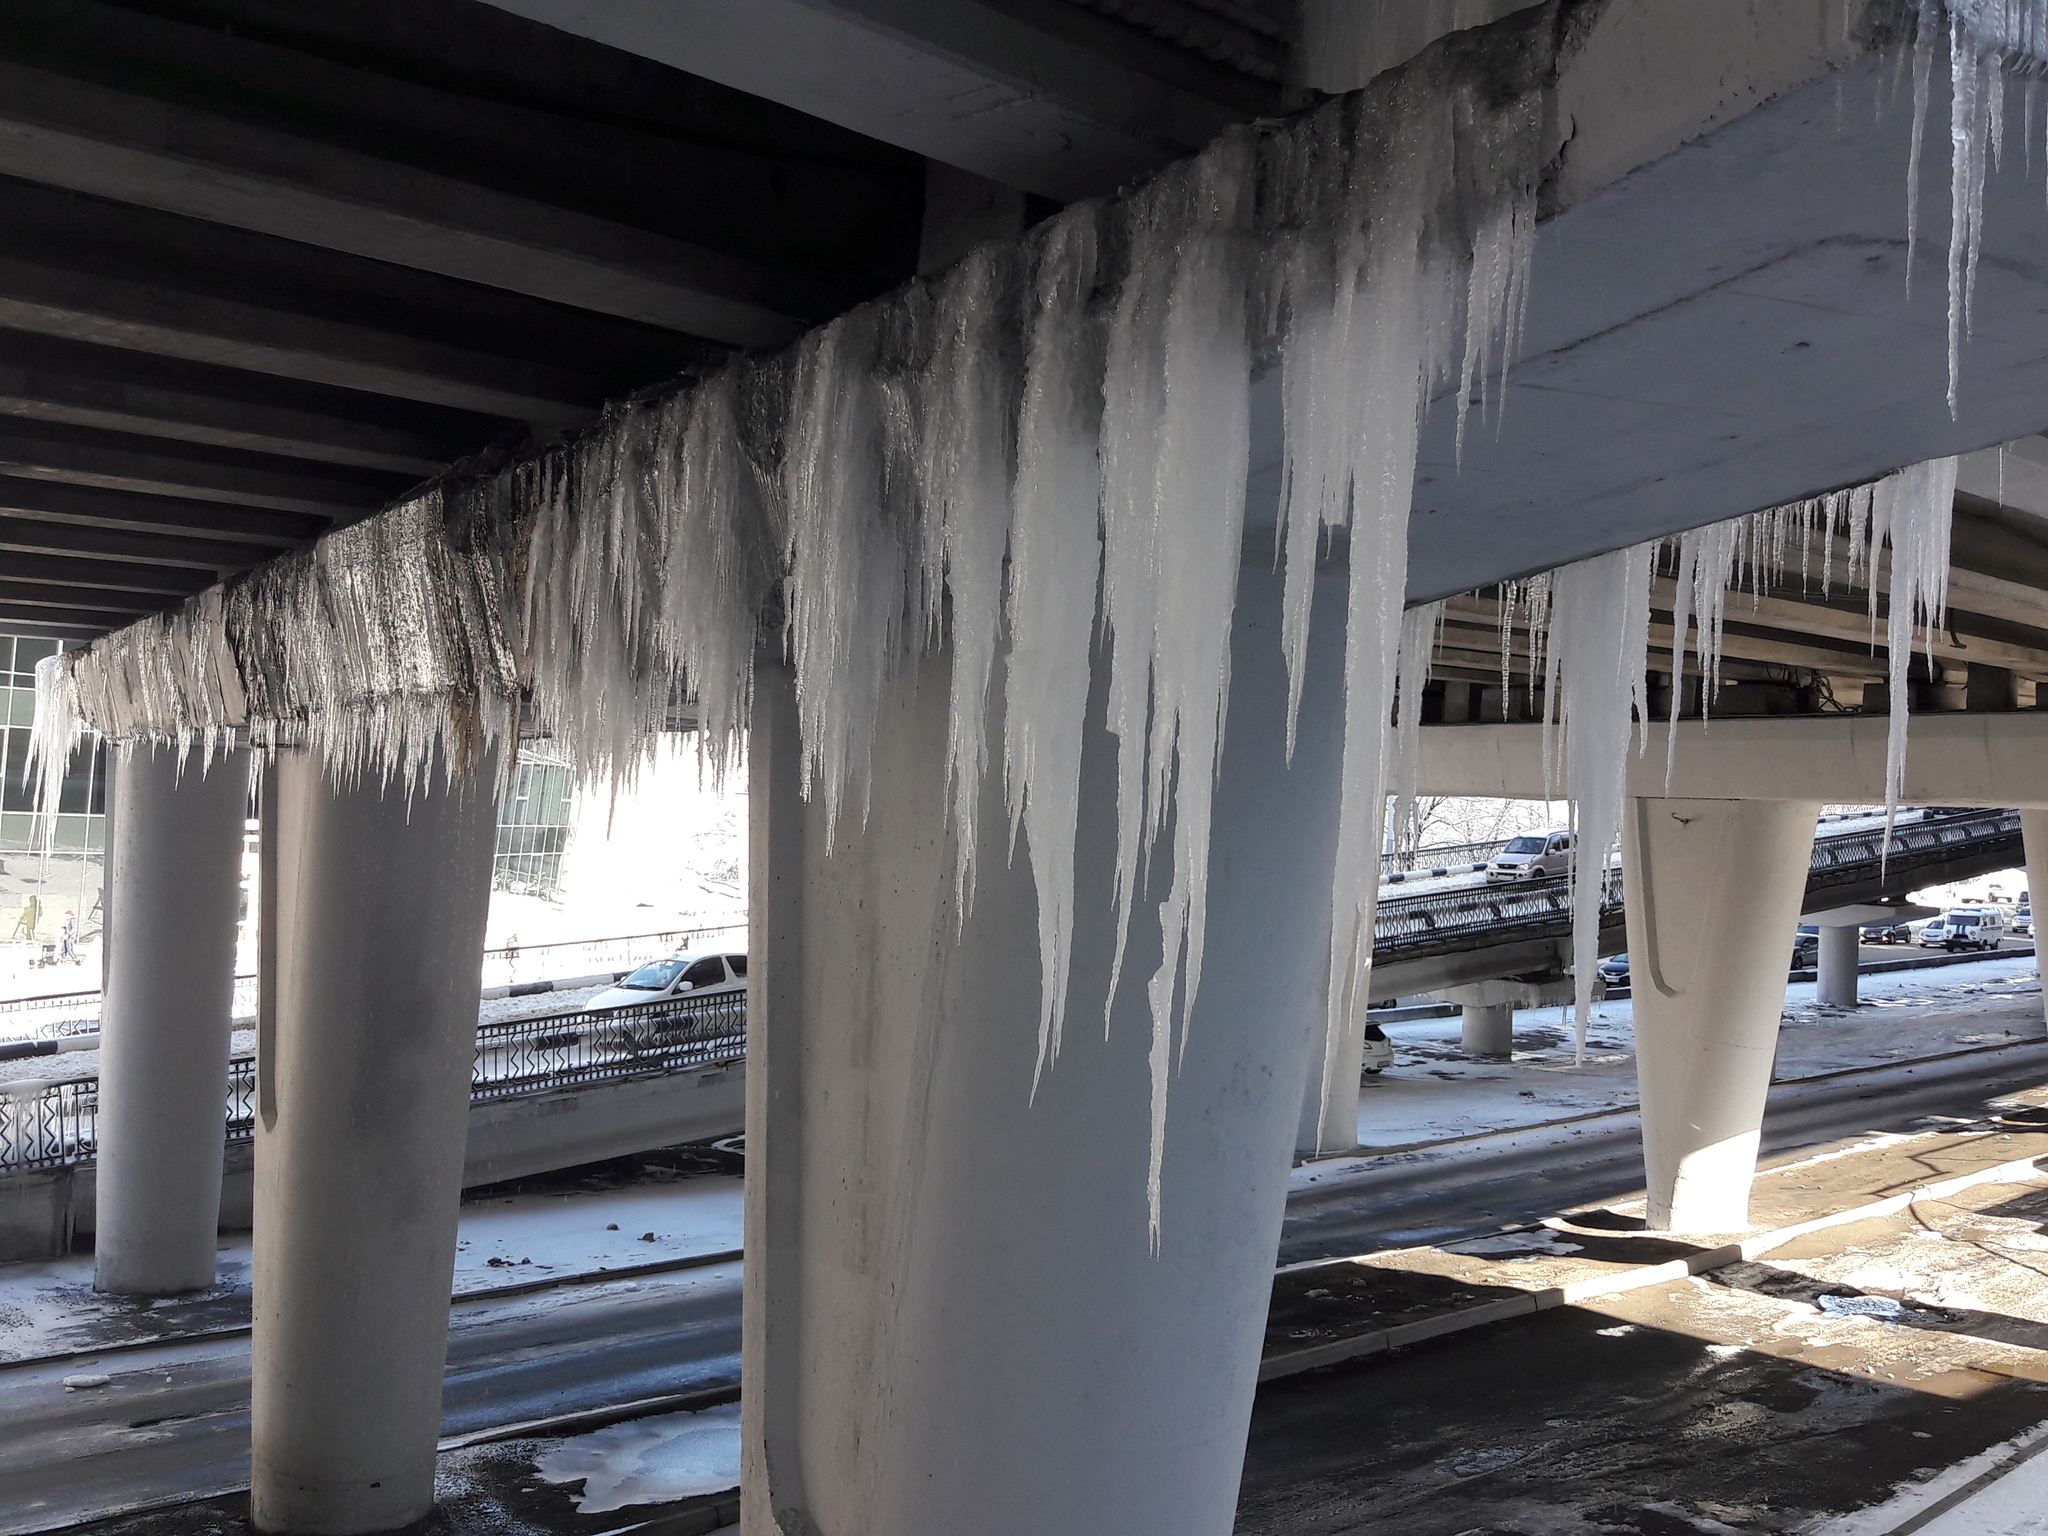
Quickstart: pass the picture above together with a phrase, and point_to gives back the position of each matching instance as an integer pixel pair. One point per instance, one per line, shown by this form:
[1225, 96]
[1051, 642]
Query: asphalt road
[172, 1421]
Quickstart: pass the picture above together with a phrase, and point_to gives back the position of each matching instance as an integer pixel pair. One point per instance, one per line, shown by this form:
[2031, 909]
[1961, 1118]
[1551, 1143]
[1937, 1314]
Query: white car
[1533, 856]
[2023, 920]
[695, 974]
[1964, 928]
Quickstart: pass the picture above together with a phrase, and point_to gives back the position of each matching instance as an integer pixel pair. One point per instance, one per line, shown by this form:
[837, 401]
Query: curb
[1359, 1346]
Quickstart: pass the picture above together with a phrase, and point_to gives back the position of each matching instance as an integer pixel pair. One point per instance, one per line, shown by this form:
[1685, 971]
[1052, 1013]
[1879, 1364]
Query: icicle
[1176, 448]
[1420, 627]
[1055, 557]
[964, 479]
[1598, 638]
[1914, 509]
[848, 575]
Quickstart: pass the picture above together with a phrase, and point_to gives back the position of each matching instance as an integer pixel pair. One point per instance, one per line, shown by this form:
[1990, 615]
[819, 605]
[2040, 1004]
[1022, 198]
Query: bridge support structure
[1841, 947]
[2034, 834]
[1712, 889]
[951, 1281]
[173, 882]
[374, 907]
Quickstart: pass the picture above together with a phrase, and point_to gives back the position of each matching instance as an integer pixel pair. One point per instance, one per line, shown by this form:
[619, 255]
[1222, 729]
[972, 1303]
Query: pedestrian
[67, 938]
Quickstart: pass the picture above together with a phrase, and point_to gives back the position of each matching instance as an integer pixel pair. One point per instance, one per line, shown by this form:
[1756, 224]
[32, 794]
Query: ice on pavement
[1516, 1242]
[648, 1461]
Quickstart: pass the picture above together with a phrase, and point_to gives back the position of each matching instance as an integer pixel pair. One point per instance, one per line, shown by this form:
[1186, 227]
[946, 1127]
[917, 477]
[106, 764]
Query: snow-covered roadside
[1434, 1091]
[501, 1240]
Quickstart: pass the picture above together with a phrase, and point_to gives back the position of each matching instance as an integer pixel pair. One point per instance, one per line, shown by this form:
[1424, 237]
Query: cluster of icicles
[1588, 629]
[1039, 458]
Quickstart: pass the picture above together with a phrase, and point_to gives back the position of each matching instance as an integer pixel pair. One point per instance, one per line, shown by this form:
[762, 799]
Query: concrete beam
[47, 379]
[1952, 759]
[30, 594]
[95, 619]
[71, 133]
[22, 533]
[63, 502]
[1042, 97]
[87, 456]
[123, 312]
[64, 568]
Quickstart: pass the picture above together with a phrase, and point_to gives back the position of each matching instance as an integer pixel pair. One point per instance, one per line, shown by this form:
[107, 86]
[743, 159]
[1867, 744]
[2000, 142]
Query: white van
[1964, 928]
[1532, 856]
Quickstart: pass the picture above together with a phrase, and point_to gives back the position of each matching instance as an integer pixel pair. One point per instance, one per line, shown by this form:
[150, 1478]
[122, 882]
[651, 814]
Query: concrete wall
[42, 1210]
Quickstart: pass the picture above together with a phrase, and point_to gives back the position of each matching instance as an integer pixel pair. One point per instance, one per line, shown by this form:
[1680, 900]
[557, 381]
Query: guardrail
[53, 1124]
[1420, 925]
[78, 1013]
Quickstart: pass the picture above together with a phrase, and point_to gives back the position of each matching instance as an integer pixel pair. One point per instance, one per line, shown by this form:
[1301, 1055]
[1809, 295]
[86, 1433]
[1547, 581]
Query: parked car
[1888, 933]
[1379, 1050]
[1614, 970]
[1533, 856]
[693, 974]
[1964, 928]
[1805, 946]
[2022, 921]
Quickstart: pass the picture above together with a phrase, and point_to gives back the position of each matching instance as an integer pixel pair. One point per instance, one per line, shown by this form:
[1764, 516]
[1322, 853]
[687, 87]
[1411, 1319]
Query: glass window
[708, 972]
[654, 976]
[1524, 845]
[738, 965]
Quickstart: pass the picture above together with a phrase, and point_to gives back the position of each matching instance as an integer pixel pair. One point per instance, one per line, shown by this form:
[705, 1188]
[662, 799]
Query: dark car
[1888, 933]
[1614, 970]
[1805, 946]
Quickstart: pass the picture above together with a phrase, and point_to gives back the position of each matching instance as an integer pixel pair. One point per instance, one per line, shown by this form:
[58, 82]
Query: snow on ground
[648, 1461]
[1434, 1091]
[502, 1240]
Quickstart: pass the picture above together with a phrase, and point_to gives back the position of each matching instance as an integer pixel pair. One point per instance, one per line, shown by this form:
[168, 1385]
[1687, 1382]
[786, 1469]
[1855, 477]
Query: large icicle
[1914, 510]
[1055, 558]
[964, 478]
[1420, 627]
[1599, 634]
[1176, 452]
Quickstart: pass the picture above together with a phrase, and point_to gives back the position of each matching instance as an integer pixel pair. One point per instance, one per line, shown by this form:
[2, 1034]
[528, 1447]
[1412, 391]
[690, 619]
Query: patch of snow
[1861, 1306]
[648, 1461]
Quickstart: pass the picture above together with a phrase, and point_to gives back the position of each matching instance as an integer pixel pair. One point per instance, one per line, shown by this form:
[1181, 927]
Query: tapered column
[1713, 891]
[1835, 966]
[173, 872]
[955, 1319]
[375, 903]
[2034, 834]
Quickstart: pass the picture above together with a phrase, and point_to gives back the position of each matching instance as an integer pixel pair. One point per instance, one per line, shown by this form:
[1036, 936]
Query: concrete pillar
[2034, 836]
[173, 872]
[1713, 890]
[374, 906]
[1835, 969]
[1487, 1029]
[955, 1319]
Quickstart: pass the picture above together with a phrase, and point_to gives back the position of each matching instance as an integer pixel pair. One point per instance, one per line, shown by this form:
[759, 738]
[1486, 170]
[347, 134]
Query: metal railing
[523, 1056]
[51, 1124]
[1442, 920]
[1448, 856]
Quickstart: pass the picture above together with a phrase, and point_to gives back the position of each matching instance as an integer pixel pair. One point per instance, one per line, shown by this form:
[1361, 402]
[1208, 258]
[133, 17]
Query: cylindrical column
[1713, 890]
[1487, 1029]
[374, 906]
[173, 871]
[956, 1319]
[1835, 968]
[2034, 835]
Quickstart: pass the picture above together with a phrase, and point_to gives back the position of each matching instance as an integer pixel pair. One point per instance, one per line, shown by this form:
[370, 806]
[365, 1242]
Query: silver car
[1533, 856]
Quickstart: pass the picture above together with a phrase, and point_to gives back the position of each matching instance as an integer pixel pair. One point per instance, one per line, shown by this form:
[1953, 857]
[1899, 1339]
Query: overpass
[390, 380]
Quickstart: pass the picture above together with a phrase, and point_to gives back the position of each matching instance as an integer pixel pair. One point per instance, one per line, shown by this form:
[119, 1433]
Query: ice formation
[1987, 39]
[1035, 460]
[1587, 633]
